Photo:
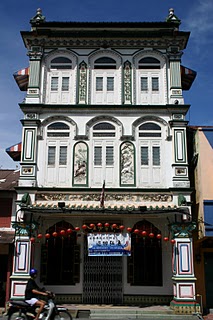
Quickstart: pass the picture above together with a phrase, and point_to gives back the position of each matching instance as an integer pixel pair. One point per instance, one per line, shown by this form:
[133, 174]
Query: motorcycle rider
[32, 291]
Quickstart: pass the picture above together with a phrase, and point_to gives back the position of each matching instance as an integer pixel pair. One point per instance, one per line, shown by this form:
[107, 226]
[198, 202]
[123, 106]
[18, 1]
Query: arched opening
[145, 262]
[60, 256]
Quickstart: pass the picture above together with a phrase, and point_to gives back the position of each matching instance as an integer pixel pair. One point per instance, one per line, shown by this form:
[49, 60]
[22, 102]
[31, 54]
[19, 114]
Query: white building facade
[104, 152]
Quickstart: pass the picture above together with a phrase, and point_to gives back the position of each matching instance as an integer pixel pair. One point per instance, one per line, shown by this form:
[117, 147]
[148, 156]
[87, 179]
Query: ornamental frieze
[108, 197]
[106, 43]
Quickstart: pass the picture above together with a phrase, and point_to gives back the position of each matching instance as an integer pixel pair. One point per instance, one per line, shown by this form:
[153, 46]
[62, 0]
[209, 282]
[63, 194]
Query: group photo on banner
[109, 244]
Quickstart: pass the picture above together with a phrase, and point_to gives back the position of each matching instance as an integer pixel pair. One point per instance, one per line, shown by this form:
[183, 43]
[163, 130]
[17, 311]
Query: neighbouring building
[202, 170]
[104, 198]
[8, 182]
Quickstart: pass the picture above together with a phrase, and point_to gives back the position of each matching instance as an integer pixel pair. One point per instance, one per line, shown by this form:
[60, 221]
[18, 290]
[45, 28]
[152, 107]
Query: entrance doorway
[102, 283]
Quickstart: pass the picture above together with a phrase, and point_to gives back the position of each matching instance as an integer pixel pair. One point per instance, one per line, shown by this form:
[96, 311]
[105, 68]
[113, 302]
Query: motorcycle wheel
[17, 316]
[62, 315]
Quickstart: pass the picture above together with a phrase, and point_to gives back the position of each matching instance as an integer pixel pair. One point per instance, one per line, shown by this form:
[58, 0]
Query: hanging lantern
[121, 227]
[99, 225]
[151, 235]
[106, 225]
[32, 240]
[77, 229]
[92, 226]
[47, 235]
[55, 234]
[173, 241]
[39, 236]
[136, 231]
[62, 233]
[129, 229]
[158, 236]
[114, 226]
[144, 233]
[166, 239]
[84, 227]
[69, 231]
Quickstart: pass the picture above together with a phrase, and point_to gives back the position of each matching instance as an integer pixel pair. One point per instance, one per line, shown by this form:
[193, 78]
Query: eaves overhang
[95, 210]
[42, 108]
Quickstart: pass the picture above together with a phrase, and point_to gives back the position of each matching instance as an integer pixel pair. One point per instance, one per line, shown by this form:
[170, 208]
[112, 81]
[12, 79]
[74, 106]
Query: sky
[196, 16]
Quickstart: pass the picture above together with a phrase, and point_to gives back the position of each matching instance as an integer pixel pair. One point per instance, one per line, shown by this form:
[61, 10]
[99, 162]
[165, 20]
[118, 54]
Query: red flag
[102, 195]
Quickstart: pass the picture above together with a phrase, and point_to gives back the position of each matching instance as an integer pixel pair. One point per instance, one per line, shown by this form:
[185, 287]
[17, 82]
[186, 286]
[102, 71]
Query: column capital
[182, 229]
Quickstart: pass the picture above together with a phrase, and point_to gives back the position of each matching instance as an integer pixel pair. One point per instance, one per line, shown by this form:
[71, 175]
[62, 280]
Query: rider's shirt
[31, 284]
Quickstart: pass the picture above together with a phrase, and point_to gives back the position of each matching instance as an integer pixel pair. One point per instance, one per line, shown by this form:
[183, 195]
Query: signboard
[109, 244]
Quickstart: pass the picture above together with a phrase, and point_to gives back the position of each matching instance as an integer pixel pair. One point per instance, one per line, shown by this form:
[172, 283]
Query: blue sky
[196, 17]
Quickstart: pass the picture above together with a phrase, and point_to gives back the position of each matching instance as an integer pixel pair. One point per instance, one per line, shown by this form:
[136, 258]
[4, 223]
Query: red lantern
[77, 228]
[62, 232]
[55, 234]
[166, 239]
[39, 236]
[47, 235]
[144, 233]
[136, 231]
[158, 236]
[106, 225]
[151, 235]
[129, 229]
[99, 225]
[32, 239]
[114, 226]
[92, 226]
[69, 231]
[84, 227]
[173, 241]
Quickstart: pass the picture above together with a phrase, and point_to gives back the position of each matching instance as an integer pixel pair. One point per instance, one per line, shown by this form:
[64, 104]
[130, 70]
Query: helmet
[33, 272]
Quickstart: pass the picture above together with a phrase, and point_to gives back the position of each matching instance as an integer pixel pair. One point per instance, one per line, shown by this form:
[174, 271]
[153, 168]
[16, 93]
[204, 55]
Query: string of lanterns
[101, 227]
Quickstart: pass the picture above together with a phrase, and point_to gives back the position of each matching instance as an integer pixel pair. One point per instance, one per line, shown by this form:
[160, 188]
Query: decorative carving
[127, 83]
[108, 197]
[82, 82]
[31, 116]
[127, 173]
[80, 164]
[182, 230]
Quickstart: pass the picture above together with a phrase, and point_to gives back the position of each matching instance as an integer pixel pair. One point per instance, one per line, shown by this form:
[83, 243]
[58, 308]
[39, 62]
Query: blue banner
[109, 244]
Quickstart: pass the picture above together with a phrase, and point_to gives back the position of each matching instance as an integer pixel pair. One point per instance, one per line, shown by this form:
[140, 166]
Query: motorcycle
[21, 310]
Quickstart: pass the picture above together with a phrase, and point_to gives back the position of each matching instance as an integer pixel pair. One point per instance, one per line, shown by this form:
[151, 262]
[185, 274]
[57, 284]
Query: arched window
[61, 63]
[145, 262]
[58, 154]
[60, 80]
[150, 147]
[149, 63]
[149, 77]
[105, 159]
[105, 80]
[105, 63]
[60, 256]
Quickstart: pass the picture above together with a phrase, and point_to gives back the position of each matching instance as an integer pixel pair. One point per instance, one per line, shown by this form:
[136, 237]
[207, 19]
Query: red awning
[22, 78]
[187, 77]
[15, 151]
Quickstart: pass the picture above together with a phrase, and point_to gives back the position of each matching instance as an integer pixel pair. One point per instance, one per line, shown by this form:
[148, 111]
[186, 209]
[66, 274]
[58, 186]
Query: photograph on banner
[109, 244]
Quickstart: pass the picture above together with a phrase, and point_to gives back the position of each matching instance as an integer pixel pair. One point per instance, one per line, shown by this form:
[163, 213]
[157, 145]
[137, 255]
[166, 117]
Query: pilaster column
[33, 91]
[176, 95]
[180, 160]
[29, 151]
[184, 300]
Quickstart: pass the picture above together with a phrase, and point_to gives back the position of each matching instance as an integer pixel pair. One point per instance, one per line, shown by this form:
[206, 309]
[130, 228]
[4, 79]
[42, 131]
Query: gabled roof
[8, 179]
